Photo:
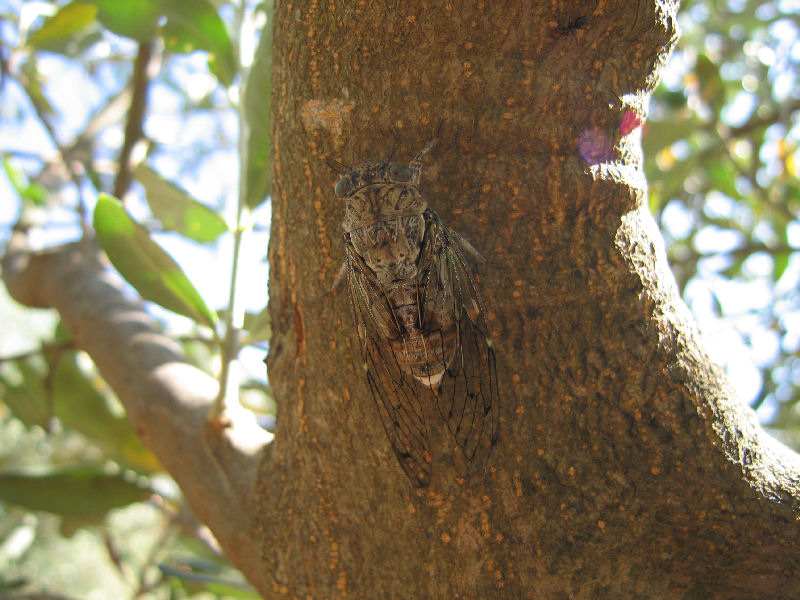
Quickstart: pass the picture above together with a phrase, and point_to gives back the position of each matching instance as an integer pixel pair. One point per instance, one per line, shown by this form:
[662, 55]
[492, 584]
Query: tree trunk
[625, 468]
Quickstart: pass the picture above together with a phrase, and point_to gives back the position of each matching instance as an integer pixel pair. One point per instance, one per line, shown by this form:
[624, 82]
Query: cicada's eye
[343, 187]
[400, 172]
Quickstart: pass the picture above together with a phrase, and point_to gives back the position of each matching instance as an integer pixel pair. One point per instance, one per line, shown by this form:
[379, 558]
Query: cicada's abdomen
[425, 335]
[426, 355]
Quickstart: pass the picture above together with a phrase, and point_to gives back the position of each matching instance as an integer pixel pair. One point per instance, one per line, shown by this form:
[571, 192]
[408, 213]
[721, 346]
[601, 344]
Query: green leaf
[144, 264]
[193, 580]
[711, 84]
[732, 271]
[655, 200]
[34, 86]
[780, 264]
[177, 210]
[723, 175]
[29, 192]
[85, 493]
[135, 19]
[258, 326]
[63, 26]
[79, 405]
[255, 119]
[661, 134]
[195, 25]
[24, 394]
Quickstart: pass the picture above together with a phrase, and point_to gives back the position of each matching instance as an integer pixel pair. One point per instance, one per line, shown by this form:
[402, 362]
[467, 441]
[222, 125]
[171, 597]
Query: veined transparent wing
[468, 396]
[395, 393]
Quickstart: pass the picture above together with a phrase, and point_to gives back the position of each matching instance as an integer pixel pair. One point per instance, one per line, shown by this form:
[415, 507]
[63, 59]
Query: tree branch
[166, 398]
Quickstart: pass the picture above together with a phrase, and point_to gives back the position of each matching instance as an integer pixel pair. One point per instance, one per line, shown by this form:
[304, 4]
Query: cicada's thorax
[387, 224]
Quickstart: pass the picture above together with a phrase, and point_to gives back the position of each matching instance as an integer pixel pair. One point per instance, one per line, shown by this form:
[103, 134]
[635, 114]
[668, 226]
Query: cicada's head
[383, 172]
[376, 192]
[374, 172]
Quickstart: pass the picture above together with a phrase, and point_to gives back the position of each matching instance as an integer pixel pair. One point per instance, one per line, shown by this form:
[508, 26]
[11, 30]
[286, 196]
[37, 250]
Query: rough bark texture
[625, 468]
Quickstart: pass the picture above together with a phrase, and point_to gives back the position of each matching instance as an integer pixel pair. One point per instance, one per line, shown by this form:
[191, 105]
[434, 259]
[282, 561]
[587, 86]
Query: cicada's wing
[395, 395]
[468, 397]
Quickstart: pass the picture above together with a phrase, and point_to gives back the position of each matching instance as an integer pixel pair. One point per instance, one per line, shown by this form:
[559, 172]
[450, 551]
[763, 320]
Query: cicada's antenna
[416, 163]
[335, 165]
[395, 145]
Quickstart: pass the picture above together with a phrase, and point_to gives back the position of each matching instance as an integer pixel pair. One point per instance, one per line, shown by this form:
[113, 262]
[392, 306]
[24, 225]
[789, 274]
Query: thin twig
[233, 321]
[133, 127]
[63, 152]
[166, 535]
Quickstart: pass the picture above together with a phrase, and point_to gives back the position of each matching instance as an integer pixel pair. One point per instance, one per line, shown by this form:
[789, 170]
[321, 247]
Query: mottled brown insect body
[419, 314]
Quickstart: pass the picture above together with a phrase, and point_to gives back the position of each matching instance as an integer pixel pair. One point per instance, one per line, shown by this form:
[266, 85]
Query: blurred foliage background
[146, 101]
[722, 161]
[165, 105]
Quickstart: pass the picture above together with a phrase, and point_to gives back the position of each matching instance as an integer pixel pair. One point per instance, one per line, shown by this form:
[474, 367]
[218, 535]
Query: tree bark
[625, 468]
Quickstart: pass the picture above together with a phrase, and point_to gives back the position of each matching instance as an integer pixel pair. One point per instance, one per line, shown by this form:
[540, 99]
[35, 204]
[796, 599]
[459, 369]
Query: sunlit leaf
[135, 19]
[195, 25]
[144, 264]
[255, 119]
[29, 192]
[712, 86]
[63, 26]
[723, 178]
[792, 195]
[780, 264]
[23, 392]
[85, 493]
[672, 181]
[34, 84]
[177, 210]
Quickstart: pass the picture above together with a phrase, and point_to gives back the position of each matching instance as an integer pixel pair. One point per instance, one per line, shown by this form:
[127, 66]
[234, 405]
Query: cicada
[420, 317]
